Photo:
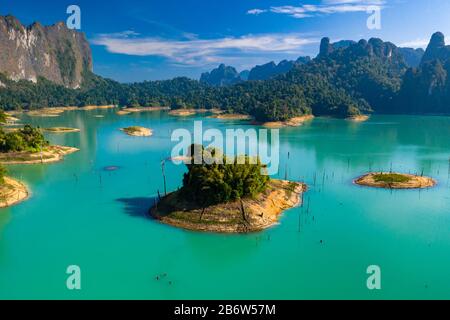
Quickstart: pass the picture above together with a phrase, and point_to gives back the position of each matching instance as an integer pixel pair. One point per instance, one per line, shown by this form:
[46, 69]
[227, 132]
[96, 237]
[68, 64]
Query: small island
[28, 146]
[293, 122]
[395, 181]
[227, 198]
[130, 110]
[183, 112]
[57, 111]
[46, 112]
[145, 109]
[91, 107]
[231, 116]
[123, 112]
[60, 130]
[136, 131]
[186, 112]
[358, 118]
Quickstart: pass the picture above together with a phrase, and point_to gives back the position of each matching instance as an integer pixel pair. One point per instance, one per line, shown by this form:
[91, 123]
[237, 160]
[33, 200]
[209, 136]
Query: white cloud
[327, 7]
[122, 34]
[419, 43]
[256, 11]
[204, 51]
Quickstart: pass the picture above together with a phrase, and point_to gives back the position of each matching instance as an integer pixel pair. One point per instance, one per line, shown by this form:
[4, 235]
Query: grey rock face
[436, 50]
[54, 52]
[221, 76]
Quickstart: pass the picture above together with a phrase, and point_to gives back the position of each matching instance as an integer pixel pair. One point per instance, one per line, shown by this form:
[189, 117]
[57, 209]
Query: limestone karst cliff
[54, 52]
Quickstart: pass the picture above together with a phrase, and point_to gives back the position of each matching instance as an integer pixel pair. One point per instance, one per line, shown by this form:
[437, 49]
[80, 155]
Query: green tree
[207, 184]
[26, 139]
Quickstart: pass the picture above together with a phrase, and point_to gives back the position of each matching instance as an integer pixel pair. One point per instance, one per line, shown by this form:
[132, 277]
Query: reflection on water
[5, 217]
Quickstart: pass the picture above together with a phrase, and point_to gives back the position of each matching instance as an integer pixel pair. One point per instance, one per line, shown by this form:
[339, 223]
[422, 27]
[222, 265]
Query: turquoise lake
[81, 214]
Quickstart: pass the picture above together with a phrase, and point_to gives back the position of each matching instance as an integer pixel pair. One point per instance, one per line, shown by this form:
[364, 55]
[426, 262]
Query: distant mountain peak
[412, 56]
[221, 76]
[271, 70]
[437, 40]
[436, 49]
[325, 47]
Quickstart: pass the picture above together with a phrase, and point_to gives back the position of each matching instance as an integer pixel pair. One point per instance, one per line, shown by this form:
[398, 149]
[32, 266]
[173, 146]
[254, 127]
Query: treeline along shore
[348, 79]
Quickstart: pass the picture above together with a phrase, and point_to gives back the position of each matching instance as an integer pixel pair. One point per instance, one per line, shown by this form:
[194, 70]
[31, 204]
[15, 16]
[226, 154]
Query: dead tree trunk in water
[163, 164]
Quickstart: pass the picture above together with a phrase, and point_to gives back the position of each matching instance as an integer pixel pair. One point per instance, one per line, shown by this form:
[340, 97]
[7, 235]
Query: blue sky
[158, 39]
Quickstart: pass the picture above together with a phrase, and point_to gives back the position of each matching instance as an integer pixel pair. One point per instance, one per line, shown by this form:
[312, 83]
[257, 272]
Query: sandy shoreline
[12, 192]
[183, 112]
[293, 122]
[60, 130]
[260, 213]
[232, 116]
[57, 111]
[88, 108]
[137, 131]
[360, 118]
[413, 181]
[192, 112]
[125, 111]
[49, 155]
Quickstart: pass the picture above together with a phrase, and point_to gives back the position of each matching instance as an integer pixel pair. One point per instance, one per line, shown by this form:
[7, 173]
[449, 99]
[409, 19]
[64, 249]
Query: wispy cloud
[122, 34]
[256, 11]
[327, 7]
[419, 43]
[196, 51]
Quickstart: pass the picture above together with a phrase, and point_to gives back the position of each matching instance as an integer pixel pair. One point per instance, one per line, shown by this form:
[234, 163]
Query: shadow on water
[138, 207]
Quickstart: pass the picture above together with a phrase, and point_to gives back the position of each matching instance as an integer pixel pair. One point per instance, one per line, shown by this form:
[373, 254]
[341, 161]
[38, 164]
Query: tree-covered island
[393, 180]
[28, 146]
[228, 197]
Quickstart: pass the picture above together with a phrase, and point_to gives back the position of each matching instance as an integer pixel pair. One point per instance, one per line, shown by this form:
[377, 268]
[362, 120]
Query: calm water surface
[82, 214]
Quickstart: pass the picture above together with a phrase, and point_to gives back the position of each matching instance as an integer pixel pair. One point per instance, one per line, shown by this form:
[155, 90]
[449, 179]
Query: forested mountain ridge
[271, 70]
[226, 75]
[368, 72]
[426, 89]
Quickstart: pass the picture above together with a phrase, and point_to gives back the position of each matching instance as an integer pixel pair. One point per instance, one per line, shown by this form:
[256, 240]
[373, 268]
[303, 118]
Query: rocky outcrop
[239, 216]
[12, 192]
[352, 50]
[436, 50]
[426, 89]
[54, 52]
[325, 47]
[374, 46]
